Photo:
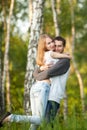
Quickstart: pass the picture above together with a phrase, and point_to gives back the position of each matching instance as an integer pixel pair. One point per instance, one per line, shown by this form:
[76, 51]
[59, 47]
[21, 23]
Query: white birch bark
[31, 56]
[80, 81]
[55, 17]
[1, 92]
[6, 57]
[30, 8]
[4, 30]
[2, 105]
[65, 104]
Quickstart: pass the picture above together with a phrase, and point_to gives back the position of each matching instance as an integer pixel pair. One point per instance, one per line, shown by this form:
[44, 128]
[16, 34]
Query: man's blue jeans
[51, 110]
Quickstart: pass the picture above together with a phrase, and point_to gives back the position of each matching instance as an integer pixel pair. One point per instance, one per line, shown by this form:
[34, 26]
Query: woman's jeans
[38, 97]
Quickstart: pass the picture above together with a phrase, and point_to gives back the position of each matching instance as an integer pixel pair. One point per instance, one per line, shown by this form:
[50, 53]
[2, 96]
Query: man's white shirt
[58, 83]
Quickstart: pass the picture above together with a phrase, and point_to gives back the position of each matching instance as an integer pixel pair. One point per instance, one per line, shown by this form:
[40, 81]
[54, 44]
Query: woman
[40, 90]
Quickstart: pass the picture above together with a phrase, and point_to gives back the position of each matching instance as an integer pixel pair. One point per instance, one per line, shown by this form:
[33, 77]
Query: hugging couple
[48, 90]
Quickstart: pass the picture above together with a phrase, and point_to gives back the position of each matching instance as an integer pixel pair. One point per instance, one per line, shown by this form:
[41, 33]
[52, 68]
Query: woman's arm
[45, 67]
[60, 55]
[59, 68]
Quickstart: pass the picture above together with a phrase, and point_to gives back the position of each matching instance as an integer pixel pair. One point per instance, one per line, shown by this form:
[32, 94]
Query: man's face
[59, 46]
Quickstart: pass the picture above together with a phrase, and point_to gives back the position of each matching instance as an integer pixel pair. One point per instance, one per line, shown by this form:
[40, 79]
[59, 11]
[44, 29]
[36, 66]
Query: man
[58, 75]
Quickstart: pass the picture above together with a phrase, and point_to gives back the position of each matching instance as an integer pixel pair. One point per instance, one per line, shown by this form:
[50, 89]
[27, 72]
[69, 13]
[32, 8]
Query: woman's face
[49, 44]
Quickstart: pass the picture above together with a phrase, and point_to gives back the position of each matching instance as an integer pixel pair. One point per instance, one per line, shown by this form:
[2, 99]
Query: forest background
[20, 26]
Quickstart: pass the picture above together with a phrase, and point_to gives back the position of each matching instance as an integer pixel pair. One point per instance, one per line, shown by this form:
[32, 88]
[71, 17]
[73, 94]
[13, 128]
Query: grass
[73, 122]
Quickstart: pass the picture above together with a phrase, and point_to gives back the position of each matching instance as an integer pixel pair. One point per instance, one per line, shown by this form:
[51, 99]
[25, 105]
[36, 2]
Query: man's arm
[59, 68]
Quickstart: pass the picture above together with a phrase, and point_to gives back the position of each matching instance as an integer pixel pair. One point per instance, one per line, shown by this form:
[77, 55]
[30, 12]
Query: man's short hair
[59, 38]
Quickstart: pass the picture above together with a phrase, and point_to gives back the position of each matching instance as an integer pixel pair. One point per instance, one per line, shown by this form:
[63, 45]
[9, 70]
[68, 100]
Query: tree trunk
[73, 58]
[65, 104]
[30, 7]
[34, 35]
[1, 92]
[4, 26]
[6, 57]
[55, 17]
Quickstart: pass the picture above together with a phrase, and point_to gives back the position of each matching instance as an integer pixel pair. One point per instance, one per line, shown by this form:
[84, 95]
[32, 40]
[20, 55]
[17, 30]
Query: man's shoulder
[65, 59]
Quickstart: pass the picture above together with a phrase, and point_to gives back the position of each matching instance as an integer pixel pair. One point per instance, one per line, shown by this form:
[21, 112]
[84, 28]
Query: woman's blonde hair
[41, 49]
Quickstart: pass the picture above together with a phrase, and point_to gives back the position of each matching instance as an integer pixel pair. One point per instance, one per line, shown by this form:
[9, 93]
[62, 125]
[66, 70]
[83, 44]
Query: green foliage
[16, 126]
[17, 67]
[64, 18]
[48, 25]
[20, 10]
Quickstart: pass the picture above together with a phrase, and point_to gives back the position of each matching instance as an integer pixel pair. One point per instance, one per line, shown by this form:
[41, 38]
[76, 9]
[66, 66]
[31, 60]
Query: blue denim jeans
[51, 111]
[38, 97]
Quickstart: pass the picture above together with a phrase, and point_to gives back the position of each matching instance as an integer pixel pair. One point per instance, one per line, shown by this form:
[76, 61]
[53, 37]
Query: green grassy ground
[73, 122]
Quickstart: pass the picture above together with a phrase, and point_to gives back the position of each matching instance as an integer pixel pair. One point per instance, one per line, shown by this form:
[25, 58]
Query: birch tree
[34, 35]
[55, 16]
[2, 98]
[30, 7]
[1, 93]
[80, 81]
[5, 76]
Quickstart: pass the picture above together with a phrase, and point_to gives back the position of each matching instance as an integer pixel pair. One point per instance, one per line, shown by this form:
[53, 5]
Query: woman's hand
[68, 55]
[45, 67]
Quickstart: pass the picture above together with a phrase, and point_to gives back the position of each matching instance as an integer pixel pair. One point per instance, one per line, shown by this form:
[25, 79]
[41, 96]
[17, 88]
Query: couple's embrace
[51, 76]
